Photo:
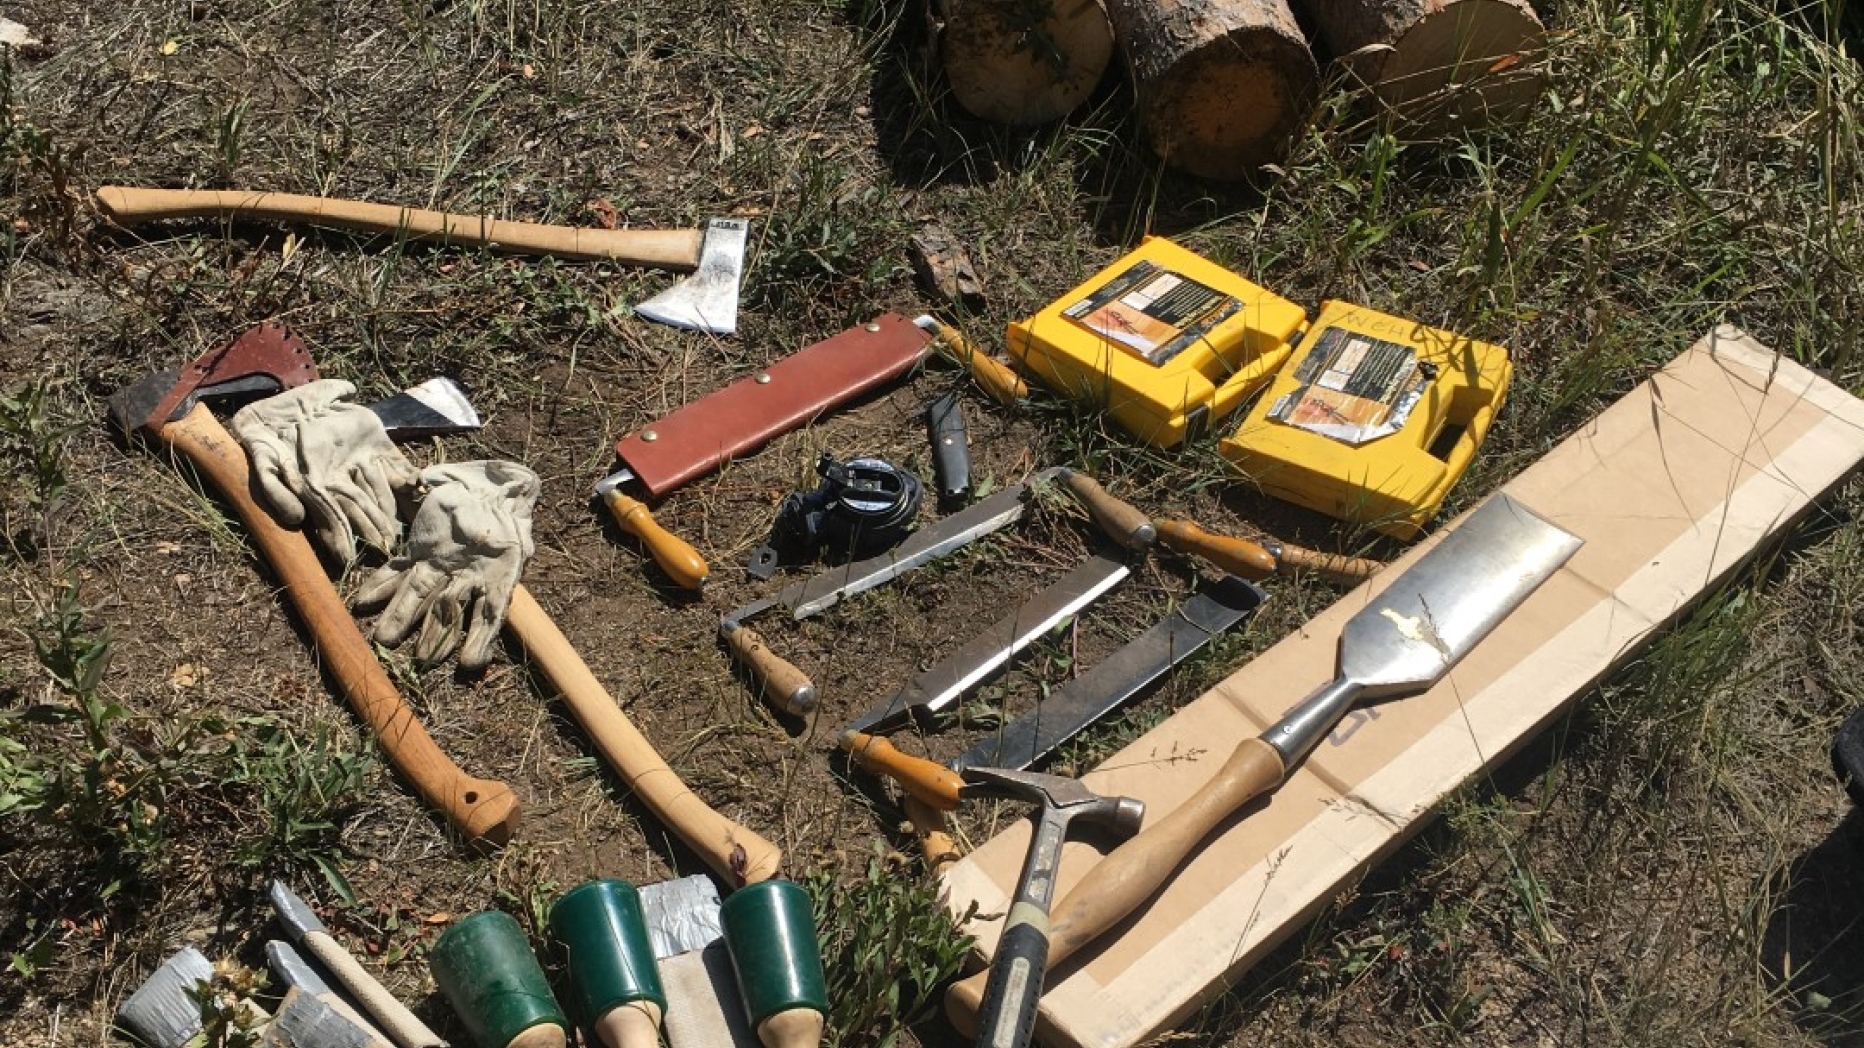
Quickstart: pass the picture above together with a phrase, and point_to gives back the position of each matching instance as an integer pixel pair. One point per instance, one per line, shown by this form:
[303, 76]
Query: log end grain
[1232, 105]
[1007, 65]
[1464, 64]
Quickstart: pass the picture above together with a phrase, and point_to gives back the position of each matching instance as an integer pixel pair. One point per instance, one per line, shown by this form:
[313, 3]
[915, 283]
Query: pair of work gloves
[326, 465]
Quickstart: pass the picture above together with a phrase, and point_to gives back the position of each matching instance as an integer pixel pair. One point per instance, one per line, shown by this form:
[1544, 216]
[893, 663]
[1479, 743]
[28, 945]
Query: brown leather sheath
[750, 412]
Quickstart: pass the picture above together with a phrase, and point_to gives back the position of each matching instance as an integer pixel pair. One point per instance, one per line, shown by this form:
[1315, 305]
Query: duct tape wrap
[485, 968]
[598, 930]
[774, 954]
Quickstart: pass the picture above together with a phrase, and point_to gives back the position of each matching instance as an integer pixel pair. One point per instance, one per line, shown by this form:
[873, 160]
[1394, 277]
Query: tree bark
[1222, 85]
[1023, 61]
[1440, 64]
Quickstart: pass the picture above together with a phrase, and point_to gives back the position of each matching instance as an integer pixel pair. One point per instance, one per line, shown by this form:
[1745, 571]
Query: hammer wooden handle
[1137, 869]
[485, 811]
[679, 560]
[1253, 560]
[784, 685]
[1121, 520]
[929, 782]
[659, 248]
[737, 854]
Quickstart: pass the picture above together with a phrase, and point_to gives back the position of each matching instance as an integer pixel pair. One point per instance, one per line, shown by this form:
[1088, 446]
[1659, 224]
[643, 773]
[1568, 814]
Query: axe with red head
[170, 409]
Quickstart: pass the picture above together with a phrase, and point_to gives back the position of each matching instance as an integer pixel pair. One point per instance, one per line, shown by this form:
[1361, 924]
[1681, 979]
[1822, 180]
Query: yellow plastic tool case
[1164, 341]
[1373, 420]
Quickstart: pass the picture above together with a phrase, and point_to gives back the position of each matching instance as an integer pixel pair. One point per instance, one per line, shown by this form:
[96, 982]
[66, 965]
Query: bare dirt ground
[807, 120]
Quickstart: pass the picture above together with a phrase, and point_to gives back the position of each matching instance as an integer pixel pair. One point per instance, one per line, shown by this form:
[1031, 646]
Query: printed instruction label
[1153, 312]
[1355, 388]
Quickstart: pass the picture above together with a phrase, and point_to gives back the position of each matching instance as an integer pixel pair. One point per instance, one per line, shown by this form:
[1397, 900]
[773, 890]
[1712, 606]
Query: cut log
[1222, 85]
[1023, 62]
[1440, 64]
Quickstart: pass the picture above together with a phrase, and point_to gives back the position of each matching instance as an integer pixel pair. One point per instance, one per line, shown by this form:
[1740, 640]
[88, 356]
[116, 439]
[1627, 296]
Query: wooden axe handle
[737, 854]
[658, 248]
[484, 810]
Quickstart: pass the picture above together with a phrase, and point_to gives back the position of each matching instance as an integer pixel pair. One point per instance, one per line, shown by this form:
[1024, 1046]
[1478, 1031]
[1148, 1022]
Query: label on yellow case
[1355, 388]
[1152, 312]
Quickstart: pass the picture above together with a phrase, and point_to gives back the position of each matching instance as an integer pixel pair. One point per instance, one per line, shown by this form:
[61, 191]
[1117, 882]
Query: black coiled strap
[862, 506]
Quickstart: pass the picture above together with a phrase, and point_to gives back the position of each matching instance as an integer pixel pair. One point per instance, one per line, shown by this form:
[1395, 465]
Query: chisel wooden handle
[658, 248]
[484, 810]
[785, 685]
[1252, 560]
[927, 781]
[1122, 521]
[680, 561]
[734, 852]
[993, 376]
[1137, 869]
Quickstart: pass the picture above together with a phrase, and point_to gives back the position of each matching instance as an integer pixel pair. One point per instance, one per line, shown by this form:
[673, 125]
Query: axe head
[708, 299]
[266, 359]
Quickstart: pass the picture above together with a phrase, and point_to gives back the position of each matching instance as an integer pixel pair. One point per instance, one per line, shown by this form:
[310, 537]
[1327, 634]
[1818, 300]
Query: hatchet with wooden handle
[166, 408]
[657, 248]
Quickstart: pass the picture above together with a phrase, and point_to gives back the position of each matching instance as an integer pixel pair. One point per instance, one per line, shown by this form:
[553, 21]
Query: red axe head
[267, 359]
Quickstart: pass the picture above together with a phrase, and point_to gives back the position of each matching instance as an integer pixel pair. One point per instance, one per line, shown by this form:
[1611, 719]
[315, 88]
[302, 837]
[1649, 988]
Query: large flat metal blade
[983, 654]
[929, 543]
[1429, 617]
[1114, 681]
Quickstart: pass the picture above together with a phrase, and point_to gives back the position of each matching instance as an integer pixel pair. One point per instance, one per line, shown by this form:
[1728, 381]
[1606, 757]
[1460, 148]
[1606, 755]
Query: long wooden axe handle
[657, 248]
[736, 853]
[484, 810]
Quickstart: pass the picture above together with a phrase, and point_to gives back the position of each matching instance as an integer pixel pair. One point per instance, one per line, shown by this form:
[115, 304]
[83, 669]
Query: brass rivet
[648, 436]
[763, 378]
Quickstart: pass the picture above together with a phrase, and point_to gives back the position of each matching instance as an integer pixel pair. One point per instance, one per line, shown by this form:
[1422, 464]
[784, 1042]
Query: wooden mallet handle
[657, 248]
[1137, 869]
[483, 810]
[736, 853]
[1121, 520]
[676, 557]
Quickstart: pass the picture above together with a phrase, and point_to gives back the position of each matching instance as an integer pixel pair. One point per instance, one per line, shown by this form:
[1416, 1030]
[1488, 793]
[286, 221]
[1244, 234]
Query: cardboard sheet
[1673, 488]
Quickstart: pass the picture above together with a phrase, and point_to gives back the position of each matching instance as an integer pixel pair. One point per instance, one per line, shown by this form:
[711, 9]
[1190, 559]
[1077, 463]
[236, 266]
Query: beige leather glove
[326, 465]
[466, 551]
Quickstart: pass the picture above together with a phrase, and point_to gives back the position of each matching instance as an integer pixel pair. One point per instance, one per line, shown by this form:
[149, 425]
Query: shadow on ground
[1814, 944]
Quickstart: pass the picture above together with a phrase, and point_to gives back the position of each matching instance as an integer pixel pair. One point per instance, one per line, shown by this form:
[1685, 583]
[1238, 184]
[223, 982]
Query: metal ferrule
[1305, 725]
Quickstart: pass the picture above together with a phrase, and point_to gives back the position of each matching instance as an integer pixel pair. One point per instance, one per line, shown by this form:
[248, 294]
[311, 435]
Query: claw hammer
[1014, 988]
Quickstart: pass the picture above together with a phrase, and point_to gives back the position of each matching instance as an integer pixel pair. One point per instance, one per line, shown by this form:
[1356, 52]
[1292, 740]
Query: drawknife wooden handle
[737, 854]
[1137, 869]
[484, 810]
[1121, 520]
[1332, 566]
[659, 248]
[789, 688]
[676, 557]
[929, 782]
[1239, 557]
